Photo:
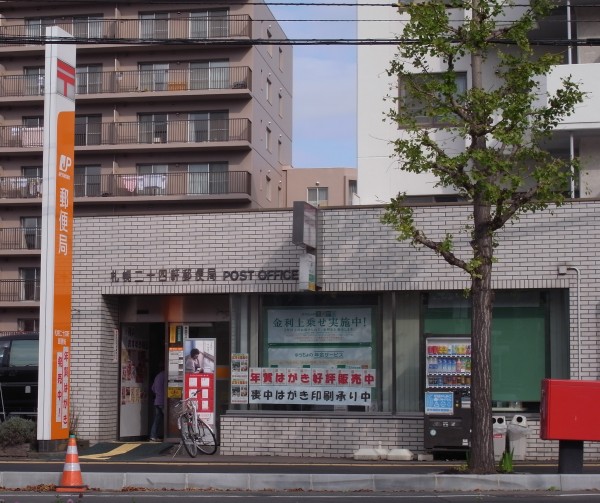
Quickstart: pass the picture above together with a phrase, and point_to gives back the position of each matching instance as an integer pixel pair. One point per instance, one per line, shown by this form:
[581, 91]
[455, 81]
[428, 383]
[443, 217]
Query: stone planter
[15, 451]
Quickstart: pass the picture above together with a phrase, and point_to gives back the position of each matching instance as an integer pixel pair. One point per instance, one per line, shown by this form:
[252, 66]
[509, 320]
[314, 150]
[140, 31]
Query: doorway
[142, 351]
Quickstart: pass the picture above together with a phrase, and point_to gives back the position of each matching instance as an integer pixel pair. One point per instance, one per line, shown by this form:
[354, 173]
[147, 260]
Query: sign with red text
[312, 386]
[57, 239]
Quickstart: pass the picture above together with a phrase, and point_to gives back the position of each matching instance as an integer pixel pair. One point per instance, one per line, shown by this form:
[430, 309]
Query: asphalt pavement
[117, 466]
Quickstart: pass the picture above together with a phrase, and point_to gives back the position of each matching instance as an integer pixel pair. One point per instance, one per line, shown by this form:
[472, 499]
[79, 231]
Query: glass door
[154, 76]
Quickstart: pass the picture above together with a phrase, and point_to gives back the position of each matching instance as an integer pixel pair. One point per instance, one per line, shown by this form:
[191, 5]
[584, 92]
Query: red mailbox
[570, 410]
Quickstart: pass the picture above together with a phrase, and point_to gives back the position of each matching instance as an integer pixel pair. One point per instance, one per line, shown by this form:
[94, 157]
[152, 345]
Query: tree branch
[438, 247]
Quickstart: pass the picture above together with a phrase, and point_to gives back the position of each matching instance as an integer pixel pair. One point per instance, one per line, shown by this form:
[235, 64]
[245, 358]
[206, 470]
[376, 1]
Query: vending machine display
[447, 392]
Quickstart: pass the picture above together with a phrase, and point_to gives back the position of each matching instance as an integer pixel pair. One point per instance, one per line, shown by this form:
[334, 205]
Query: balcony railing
[182, 27]
[136, 81]
[20, 187]
[19, 290]
[131, 133]
[152, 184]
[20, 238]
[163, 184]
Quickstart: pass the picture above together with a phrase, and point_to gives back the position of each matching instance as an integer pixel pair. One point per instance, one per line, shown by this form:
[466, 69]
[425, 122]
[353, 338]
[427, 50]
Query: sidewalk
[153, 466]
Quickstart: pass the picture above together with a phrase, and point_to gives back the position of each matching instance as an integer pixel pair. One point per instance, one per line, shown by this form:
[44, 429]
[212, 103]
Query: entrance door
[193, 333]
[142, 350]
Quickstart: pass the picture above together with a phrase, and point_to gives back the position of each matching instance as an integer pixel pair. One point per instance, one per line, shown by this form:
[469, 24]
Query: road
[211, 497]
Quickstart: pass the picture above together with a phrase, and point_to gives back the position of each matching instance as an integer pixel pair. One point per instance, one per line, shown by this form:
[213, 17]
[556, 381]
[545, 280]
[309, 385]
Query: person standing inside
[158, 388]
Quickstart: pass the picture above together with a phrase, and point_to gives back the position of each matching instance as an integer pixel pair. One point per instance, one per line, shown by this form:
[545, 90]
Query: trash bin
[517, 437]
[499, 431]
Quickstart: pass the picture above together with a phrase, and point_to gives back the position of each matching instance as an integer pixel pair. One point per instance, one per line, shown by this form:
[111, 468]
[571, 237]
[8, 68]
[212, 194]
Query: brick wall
[357, 253]
[310, 436]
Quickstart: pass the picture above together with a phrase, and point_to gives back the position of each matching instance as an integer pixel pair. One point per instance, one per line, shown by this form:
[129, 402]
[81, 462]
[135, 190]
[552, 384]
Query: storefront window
[323, 354]
[529, 339]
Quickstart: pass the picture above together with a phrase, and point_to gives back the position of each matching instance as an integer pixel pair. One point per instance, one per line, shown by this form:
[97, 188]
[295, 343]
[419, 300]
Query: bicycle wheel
[186, 427]
[206, 442]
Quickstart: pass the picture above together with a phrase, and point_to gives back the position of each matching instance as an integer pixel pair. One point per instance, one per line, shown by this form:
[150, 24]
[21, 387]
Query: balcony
[587, 75]
[178, 27]
[225, 185]
[19, 290]
[212, 185]
[230, 80]
[15, 239]
[227, 133]
[20, 187]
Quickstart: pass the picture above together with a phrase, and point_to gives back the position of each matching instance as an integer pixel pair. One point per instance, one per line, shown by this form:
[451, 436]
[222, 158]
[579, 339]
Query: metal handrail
[19, 290]
[20, 238]
[185, 26]
[136, 81]
[130, 133]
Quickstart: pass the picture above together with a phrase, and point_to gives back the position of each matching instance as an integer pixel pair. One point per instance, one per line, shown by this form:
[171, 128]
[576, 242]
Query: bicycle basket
[183, 406]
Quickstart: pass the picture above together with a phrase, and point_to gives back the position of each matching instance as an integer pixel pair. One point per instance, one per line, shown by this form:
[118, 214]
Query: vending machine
[447, 400]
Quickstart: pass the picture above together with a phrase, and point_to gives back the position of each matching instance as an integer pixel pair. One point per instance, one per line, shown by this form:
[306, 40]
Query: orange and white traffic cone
[71, 480]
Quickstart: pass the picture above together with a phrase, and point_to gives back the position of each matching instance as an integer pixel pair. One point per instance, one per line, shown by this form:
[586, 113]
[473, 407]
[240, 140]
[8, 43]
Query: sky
[324, 93]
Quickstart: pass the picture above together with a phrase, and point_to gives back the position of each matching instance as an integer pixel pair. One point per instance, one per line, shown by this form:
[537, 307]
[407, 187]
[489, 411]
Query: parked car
[19, 374]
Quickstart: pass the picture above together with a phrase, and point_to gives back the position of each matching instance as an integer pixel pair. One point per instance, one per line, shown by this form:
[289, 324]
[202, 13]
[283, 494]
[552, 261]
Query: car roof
[11, 336]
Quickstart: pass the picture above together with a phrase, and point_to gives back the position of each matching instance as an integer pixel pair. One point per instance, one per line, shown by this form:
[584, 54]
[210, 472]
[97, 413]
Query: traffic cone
[71, 480]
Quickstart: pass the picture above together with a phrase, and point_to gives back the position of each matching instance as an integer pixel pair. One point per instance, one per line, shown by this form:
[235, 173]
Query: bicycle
[195, 433]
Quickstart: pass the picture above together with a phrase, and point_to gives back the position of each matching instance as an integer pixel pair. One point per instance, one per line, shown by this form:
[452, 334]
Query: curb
[312, 482]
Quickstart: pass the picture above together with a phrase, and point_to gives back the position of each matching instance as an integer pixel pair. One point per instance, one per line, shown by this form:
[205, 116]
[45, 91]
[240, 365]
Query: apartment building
[379, 176]
[176, 111]
[321, 186]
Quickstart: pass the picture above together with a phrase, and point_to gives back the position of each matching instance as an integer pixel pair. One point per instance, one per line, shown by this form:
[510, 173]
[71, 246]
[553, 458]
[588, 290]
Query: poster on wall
[239, 378]
[134, 384]
[316, 325]
[322, 356]
[311, 386]
[199, 367]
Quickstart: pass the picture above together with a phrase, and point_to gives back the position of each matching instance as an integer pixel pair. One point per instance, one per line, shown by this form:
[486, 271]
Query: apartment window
[279, 151]
[88, 130]
[281, 59]
[280, 104]
[269, 45]
[28, 325]
[33, 121]
[209, 126]
[152, 179]
[154, 25]
[32, 172]
[268, 90]
[210, 74]
[153, 128]
[268, 188]
[36, 27]
[208, 178]
[352, 190]
[34, 80]
[268, 136]
[317, 196]
[32, 134]
[88, 181]
[417, 108]
[88, 26]
[154, 76]
[30, 283]
[32, 232]
[89, 79]
[209, 23]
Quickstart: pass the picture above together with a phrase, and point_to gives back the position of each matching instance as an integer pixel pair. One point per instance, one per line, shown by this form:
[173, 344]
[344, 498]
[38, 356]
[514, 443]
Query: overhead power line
[17, 40]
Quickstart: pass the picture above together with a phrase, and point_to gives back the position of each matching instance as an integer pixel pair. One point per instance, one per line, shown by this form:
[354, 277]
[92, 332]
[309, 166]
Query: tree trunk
[482, 447]
[481, 459]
